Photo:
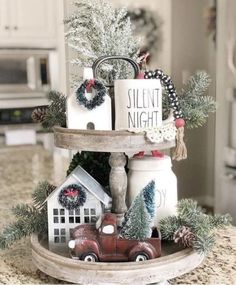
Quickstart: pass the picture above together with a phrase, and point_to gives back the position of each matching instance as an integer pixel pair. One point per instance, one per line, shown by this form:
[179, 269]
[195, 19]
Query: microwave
[24, 73]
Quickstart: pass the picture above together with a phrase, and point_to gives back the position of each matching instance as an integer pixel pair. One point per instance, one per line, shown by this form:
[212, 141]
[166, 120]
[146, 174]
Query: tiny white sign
[138, 104]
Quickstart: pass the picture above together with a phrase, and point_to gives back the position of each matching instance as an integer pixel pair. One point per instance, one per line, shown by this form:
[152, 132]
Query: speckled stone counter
[21, 168]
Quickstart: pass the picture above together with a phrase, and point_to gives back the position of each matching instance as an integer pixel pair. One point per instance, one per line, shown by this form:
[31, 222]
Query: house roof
[87, 181]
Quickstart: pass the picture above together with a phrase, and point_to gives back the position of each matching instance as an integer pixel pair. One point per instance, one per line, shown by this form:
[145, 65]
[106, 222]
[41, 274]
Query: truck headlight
[71, 244]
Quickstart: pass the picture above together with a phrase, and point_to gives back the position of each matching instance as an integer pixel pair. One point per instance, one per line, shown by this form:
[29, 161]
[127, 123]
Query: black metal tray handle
[101, 59]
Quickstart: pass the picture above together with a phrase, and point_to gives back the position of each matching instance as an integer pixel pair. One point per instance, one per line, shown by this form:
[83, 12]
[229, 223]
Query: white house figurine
[79, 117]
[80, 199]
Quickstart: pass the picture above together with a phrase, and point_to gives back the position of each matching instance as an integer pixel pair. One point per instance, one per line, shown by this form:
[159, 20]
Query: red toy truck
[104, 244]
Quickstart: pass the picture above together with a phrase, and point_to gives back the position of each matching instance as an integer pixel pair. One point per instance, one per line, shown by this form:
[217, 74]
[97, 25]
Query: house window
[86, 216]
[71, 220]
[71, 212]
[55, 212]
[93, 220]
[86, 211]
[63, 235]
[56, 239]
[93, 215]
[86, 220]
[56, 232]
[71, 232]
[55, 220]
[74, 216]
[77, 220]
[93, 212]
[59, 216]
[59, 235]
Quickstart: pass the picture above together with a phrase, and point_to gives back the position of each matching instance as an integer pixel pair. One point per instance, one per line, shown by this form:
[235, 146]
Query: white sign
[138, 104]
[78, 117]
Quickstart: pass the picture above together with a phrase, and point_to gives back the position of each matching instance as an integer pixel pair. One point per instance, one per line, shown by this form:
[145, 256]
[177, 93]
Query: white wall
[162, 9]
[190, 53]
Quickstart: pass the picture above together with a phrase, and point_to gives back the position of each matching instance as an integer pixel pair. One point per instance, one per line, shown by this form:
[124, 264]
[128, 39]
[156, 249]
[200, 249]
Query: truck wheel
[89, 257]
[140, 256]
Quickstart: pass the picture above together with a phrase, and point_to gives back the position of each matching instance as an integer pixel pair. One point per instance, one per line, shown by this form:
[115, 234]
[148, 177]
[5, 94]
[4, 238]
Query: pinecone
[184, 236]
[49, 189]
[38, 114]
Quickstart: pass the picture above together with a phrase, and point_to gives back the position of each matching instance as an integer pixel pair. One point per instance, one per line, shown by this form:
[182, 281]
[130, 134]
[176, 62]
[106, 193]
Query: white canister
[142, 171]
[138, 104]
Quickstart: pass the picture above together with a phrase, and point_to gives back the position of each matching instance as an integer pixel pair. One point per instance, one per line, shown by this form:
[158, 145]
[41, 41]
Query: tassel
[180, 151]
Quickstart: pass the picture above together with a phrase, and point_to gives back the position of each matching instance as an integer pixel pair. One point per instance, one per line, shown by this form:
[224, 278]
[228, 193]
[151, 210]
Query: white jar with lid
[142, 171]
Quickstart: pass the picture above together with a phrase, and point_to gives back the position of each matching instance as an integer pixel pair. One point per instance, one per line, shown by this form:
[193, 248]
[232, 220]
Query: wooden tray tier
[175, 263]
[105, 141]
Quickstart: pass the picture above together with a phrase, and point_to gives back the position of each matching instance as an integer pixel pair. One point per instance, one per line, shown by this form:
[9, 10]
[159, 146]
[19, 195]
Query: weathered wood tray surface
[105, 141]
[174, 262]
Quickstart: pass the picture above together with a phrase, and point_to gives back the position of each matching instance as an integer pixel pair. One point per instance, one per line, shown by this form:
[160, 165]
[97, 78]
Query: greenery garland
[97, 100]
[191, 227]
[29, 219]
[95, 163]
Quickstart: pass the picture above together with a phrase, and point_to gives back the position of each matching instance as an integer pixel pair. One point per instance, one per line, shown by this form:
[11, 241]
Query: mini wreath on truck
[72, 197]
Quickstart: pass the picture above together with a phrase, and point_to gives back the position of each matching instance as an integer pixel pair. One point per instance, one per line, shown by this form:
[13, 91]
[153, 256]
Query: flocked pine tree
[147, 196]
[138, 225]
[96, 29]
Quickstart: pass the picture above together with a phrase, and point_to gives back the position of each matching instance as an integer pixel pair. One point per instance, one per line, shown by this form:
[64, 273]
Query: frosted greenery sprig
[56, 111]
[28, 218]
[203, 227]
[195, 105]
[193, 101]
[96, 29]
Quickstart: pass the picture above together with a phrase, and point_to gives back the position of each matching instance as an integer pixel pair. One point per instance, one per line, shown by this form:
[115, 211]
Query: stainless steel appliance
[25, 78]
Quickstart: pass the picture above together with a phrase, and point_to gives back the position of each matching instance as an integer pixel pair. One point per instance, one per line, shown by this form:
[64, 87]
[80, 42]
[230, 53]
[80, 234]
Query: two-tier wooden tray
[174, 261]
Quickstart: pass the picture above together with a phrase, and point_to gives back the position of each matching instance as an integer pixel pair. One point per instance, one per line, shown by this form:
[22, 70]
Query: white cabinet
[4, 19]
[27, 21]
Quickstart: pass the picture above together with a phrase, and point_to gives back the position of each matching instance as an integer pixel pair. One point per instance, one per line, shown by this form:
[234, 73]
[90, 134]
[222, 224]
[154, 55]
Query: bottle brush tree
[138, 225]
[138, 220]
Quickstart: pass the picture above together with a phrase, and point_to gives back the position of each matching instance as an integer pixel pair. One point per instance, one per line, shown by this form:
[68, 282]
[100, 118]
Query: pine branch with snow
[96, 29]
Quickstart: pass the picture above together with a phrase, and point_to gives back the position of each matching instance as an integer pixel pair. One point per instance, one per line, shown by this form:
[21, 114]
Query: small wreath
[167, 82]
[99, 97]
[72, 197]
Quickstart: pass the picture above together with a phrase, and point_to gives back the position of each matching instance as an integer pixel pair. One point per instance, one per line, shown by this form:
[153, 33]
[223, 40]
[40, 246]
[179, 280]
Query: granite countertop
[21, 168]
